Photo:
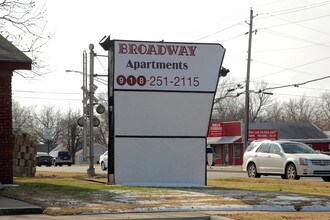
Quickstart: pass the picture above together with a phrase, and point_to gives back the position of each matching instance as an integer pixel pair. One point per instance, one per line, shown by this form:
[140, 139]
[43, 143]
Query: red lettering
[132, 49]
[156, 49]
[172, 49]
[152, 50]
[161, 49]
[183, 51]
[122, 48]
[142, 49]
[192, 50]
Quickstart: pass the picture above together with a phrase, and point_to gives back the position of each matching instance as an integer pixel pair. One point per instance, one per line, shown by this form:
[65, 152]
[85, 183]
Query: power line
[302, 87]
[27, 97]
[284, 69]
[277, 33]
[218, 31]
[301, 8]
[285, 94]
[59, 93]
[294, 67]
[56, 93]
[300, 25]
[291, 48]
[296, 84]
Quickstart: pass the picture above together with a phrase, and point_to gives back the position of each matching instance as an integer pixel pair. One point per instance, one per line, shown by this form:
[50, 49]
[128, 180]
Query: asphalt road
[211, 174]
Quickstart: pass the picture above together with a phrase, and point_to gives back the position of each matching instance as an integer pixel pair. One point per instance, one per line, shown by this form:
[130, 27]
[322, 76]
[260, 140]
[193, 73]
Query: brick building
[11, 59]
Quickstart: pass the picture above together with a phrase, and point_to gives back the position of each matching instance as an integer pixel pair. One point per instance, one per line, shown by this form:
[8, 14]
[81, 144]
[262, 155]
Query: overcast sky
[291, 45]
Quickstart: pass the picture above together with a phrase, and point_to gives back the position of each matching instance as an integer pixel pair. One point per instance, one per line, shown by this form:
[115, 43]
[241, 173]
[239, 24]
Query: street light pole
[84, 88]
[91, 170]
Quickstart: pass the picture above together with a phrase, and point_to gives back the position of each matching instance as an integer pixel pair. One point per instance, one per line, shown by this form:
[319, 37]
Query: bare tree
[70, 136]
[324, 116]
[102, 133]
[22, 117]
[228, 106]
[24, 24]
[260, 102]
[275, 112]
[48, 117]
[301, 110]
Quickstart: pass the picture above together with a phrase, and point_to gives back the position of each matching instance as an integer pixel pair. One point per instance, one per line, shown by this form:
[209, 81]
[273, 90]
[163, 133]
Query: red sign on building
[267, 134]
[216, 129]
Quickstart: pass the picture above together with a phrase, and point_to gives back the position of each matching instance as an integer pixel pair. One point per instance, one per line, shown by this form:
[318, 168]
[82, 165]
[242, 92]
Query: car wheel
[326, 178]
[103, 166]
[284, 177]
[69, 164]
[252, 171]
[54, 163]
[291, 172]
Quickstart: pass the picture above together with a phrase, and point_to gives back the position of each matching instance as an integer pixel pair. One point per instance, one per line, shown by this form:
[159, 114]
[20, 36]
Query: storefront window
[236, 151]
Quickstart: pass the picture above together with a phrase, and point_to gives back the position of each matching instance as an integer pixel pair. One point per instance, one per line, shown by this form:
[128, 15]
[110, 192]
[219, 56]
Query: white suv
[104, 161]
[290, 160]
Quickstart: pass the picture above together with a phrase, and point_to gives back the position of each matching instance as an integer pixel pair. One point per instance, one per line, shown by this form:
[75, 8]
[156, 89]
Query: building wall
[6, 128]
[98, 151]
[323, 147]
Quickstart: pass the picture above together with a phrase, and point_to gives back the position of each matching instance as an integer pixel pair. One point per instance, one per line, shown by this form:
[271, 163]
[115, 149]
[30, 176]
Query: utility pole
[91, 170]
[247, 85]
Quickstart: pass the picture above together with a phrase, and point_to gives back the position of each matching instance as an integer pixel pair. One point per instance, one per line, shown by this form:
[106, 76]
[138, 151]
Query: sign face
[163, 66]
[48, 134]
[267, 134]
[162, 103]
[216, 129]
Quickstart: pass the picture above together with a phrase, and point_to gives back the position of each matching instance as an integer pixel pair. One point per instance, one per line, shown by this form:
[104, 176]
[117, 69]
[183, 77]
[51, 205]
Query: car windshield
[297, 148]
[251, 146]
[63, 153]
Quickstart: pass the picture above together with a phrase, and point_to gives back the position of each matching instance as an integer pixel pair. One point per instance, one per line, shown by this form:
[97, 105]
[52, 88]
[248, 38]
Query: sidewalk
[11, 209]
[224, 168]
[16, 207]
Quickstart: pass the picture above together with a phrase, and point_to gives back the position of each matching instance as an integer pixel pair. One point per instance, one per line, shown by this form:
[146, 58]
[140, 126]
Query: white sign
[163, 98]
[166, 66]
[48, 134]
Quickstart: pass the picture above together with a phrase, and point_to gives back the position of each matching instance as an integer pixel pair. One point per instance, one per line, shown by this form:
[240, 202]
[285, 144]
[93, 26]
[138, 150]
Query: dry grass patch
[273, 185]
[277, 215]
[74, 193]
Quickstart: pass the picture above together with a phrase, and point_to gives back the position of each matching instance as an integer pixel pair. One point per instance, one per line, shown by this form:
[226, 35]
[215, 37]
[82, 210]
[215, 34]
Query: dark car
[44, 159]
[61, 158]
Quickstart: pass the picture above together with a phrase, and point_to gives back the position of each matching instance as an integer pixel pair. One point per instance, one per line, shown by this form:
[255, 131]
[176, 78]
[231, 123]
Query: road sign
[48, 134]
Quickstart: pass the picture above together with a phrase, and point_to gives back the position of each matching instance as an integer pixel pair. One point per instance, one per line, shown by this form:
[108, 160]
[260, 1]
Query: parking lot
[212, 173]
